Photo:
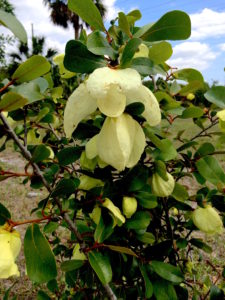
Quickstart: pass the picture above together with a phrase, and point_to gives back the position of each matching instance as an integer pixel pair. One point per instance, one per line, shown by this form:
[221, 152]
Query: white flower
[10, 245]
[120, 142]
[110, 90]
[161, 187]
[221, 116]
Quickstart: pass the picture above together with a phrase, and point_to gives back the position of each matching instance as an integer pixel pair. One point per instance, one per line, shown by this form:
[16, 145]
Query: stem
[7, 85]
[14, 174]
[25, 126]
[13, 223]
[64, 214]
[205, 129]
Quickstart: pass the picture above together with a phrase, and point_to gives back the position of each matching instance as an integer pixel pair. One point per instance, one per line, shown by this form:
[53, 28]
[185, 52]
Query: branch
[38, 172]
[7, 85]
[205, 129]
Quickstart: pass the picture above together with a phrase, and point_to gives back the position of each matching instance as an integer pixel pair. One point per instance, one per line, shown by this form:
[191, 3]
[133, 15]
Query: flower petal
[138, 146]
[113, 103]
[79, 105]
[152, 112]
[91, 147]
[115, 141]
[100, 79]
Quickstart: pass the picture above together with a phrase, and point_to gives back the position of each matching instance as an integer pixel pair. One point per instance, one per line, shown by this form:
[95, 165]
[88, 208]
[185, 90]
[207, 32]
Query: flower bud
[161, 187]
[207, 220]
[190, 96]
[129, 206]
[95, 215]
[142, 51]
[10, 245]
[86, 163]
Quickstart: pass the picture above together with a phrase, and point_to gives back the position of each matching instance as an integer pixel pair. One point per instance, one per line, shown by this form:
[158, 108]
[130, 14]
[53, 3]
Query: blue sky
[205, 50]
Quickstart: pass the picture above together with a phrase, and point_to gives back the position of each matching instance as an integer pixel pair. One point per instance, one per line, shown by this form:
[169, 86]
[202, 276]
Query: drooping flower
[10, 245]
[109, 90]
[129, 205]
[207, 220]
[120, 142]
[161, 187]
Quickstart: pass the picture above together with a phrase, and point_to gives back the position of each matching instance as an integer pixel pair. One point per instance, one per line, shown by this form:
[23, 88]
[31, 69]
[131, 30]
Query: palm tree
[62, 16]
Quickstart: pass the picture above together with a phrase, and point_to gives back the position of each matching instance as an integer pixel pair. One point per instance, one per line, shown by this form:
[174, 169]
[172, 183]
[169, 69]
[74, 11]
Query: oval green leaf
[167, 271]
[160, 52]
[12, 101]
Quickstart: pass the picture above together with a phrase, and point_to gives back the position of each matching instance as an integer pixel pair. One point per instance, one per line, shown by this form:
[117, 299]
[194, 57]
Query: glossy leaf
[188, 75]
[192, 112]
[146, 238]
[148, 284]
[211, 170]
[174, 25]
[68, 155]
[70, 265]
[4, 214]
[32, 68]
[10, 21]
[103, 231]
[140, 220]
[40, 261]
[12, 101]
[121, 249]
[65, 187]
[30, 91]
[123, 23]
[79, 59]
[180, 193]
[167, 271]
[88, 12]
[101, 265]
[163, 290]
[129, 51]
[97, 44]
[191, 87]
[216, 95]
[201, 245]
[160, 52]
[40, 153]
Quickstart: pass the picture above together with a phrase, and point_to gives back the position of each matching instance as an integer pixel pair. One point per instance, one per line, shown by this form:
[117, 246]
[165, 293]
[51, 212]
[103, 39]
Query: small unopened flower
[161, 187]
[109, 90]
[207, 220]
[10, 245]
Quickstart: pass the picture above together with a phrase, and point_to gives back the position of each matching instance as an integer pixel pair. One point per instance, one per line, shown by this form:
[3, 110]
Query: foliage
[118, 220]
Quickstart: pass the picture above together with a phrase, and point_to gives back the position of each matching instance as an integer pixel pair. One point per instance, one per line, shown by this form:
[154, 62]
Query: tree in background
[62, 16]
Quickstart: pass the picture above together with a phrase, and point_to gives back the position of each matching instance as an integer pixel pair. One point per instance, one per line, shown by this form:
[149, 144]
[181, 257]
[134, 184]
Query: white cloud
[193, 55]
[207, 24]
[112, 9]
[222, 46]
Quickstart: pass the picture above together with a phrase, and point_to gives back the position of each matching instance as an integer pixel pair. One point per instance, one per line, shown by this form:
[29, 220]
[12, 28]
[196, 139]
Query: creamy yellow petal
[79, 105]
[152, 112]
[64, 73]
[161, 187]
[99, 81]
[77, 254]
[15, 243]
[115, 141]
[113, 103]
[91, 147]
[221, 115]
[87, 183]
[138, 146]
[143, 51]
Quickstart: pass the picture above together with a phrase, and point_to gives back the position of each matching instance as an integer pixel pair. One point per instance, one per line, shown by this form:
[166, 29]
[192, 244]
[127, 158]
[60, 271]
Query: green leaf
[166, 151]
[41, 152]
[103, 231]
[136, 178]
[180, 193]
[160, 52]
[192, 112]
[4, 214]
[167, 271]
[88, 12]
[140, 220]
[146, 199]
[201, 245]
[146, 238]
[10, 21]
[129, 52]
[12, 101]
[42, 296]
[65, 187]
[97, 44]
[174, 25]
[142, 65]
[79, 59]
[40, 261]
[30, 91]
[133, 16]
[101, 265]
[120, 249]
[123, 23]
[216, 293]
[148, 284]
[163, 290]
[211, 170]
[51, 227]
[68, 155]
[188, 75]
[216, 95]
[205, 149]
[71, 265]
[191, 87]
[32, 68]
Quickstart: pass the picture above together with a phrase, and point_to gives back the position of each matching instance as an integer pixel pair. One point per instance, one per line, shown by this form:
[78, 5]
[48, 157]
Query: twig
[205, 129]
[7, 85]
[38, 172]
[25, 126]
